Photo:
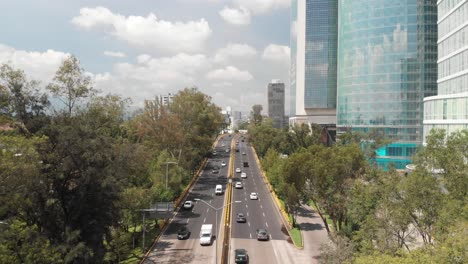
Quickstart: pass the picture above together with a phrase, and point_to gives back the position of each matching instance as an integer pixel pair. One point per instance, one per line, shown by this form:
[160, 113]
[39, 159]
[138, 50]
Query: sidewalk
[313, 231]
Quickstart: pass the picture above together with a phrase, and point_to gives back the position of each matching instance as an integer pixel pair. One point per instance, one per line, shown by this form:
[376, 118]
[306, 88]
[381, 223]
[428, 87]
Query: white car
[253, 196]
[238, 185]
[223, 164]
[188, 205]
[227, 150]
[238, 170]
[243, 153]
[243, 175]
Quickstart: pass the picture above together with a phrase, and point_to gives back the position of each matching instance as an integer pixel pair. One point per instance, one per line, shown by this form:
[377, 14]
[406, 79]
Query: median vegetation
[75, 173]
[373, 216]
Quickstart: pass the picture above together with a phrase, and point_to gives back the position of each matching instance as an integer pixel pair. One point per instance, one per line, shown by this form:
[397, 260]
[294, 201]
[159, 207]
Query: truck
[206, 234]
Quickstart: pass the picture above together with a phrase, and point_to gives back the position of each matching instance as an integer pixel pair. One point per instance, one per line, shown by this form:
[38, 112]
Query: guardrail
[227, 218]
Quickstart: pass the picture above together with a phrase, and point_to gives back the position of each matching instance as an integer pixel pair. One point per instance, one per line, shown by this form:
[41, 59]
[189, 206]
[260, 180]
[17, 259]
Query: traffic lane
[258, 251]
[240, 229]
[265, 212]
[272, 215]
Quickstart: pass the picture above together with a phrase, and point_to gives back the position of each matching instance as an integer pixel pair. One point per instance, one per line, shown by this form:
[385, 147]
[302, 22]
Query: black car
[183, 233]
[262, 234]
[241, 218]
[215, 170]
[241, 256]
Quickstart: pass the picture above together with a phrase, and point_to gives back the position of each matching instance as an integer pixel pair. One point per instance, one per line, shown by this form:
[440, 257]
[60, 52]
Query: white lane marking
[188, 219]
[271, 238]
[246, 206]
[204, 220]
[247, 213]
[209, 209]
[210, 201]
[261, 206]
[248, 223]
[246, 198]
[263, 214]
[266, 224]
[251, 237]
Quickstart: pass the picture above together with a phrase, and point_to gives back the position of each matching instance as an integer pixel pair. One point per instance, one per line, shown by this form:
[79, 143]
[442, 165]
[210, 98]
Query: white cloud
[222, 84]
[262, 6]
[230, 73]
[40, 66]
[236, 16]
[234, 51]
[278, 53]
[146, 32]
[150, 76]
[115, 54]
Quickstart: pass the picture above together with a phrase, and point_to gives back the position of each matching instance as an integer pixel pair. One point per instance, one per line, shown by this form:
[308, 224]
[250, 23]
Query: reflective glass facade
[321, 31]
[313, 72]
[387, 58]
[449, 109]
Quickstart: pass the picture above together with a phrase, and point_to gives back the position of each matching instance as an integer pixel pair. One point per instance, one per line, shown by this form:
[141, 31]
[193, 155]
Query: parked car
[241, 256]
[238, 170]
[243, 175]
[238, 185]
[262, 234]
[188, 205]
[241, 218]
[183, 233]
[253, 196]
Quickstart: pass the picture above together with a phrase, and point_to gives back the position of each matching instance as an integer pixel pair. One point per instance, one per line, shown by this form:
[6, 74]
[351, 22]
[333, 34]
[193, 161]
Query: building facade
[276, 103]
[166, 99]
[313, 72]
[449, 109]
[387, 64]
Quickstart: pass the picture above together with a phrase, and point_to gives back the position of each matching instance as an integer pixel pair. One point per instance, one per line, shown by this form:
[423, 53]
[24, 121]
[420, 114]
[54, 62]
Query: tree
[256, 114]
[21, 99]
[71, 84]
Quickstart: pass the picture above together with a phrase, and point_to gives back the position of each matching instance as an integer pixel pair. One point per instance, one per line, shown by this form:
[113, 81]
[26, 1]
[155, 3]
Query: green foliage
[71, 84]
[256, 114]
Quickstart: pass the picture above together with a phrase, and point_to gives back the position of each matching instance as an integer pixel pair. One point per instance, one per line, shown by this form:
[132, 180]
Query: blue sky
[230, 49]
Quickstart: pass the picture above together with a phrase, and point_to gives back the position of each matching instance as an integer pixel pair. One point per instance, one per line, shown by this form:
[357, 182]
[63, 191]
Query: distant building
[276, 102]
[449, 109]
[166, 99]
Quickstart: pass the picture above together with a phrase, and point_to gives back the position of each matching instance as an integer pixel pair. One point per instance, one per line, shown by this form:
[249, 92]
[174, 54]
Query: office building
[276, 102]
[387, 64]
[166, 99]
[449, 109]
[314, 27]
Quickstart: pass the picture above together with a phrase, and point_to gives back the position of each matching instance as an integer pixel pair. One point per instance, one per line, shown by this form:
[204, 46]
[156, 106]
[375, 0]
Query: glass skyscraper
[387, 64]
[314, 36]
[449, 109]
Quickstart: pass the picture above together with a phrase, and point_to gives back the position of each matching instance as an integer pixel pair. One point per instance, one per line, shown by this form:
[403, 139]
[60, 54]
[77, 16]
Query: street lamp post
[216, 223]
[167, 169]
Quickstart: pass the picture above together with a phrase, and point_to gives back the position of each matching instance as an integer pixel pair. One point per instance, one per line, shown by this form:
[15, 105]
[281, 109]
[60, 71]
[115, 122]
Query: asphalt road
[169, 249]
[260, 213]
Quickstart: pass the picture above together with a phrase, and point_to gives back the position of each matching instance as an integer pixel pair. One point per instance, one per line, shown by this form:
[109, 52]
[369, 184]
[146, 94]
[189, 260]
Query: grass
[296, 236]
[151, 232]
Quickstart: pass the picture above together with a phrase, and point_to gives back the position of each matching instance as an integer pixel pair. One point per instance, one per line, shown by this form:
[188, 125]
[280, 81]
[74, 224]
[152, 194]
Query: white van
[206, 233]
[219, 189]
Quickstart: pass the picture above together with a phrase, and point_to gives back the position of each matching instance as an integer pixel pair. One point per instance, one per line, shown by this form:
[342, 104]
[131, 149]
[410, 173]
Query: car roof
[240, 250]
[261, 230]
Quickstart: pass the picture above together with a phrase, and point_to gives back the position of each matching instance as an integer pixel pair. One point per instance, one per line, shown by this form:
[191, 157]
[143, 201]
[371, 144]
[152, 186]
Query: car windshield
[206, 235]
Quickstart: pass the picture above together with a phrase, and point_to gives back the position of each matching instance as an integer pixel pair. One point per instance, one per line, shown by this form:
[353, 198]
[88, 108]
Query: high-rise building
[166, 99]
[449, 109]
[387, 64]
[314, 27]
[276, 102]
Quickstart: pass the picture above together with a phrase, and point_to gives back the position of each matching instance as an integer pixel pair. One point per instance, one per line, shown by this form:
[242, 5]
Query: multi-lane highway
[170, 250]
[261, 213]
